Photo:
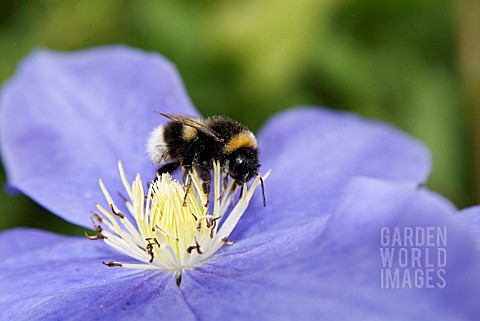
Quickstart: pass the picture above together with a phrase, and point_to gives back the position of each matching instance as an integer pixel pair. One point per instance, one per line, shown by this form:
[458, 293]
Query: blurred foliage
[391, 60]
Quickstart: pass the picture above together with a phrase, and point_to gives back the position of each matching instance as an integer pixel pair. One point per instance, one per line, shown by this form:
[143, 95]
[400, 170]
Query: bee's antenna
[263, 192]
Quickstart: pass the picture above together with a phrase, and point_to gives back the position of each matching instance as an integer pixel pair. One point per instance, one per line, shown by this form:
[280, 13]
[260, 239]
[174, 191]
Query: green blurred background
[413, 63]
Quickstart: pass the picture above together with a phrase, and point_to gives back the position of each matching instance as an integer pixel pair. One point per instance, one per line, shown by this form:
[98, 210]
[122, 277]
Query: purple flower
[343, 191]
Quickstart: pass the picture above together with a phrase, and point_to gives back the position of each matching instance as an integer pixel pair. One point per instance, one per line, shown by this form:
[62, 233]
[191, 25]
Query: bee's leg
[168, 168]
[224, 186]
[188, 161]
[224, 171]
[241, 192]
[187, 181]
[225, 182]
[233, 192]
[204, 173]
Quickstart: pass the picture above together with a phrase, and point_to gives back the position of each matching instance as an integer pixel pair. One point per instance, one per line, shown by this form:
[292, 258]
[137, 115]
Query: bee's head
[243, 165]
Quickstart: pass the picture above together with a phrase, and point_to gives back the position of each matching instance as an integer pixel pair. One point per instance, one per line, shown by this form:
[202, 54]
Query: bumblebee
[189, 142]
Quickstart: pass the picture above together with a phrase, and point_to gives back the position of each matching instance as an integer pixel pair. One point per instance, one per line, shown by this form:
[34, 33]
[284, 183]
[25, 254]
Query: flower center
[167, 229]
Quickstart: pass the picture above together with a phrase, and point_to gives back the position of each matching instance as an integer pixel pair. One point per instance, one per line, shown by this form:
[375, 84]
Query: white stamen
[165, 234]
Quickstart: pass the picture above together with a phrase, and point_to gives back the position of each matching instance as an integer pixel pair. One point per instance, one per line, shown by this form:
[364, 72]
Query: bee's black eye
[242, 169]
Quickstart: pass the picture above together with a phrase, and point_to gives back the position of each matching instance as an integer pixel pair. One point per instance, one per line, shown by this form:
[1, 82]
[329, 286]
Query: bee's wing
[192, 122]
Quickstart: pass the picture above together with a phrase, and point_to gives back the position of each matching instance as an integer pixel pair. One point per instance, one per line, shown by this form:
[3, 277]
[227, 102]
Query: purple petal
[313, 154]
[471, 217]
[325, 271]
[67, 118]
[11, 244]
[58, 277]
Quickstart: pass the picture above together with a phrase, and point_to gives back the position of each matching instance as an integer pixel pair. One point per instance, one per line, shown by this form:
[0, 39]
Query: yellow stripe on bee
[189, 132]
[243, 139]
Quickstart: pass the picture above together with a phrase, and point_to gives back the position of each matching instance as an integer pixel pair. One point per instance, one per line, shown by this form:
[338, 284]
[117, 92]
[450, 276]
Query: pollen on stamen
[163, 229]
